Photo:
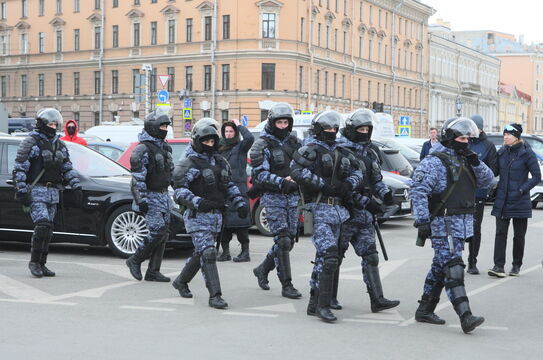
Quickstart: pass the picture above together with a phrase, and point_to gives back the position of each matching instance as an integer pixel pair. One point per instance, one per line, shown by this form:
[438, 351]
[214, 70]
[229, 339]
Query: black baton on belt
[380, 237]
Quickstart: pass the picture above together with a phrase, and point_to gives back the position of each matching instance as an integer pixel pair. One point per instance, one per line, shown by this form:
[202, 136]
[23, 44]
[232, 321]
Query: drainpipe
[352, 62]
[213, 63]
[311, 24]
[393, 54]
[101, 59]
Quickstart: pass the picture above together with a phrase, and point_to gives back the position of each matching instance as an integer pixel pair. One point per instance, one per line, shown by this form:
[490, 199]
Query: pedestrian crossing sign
[187, 114]
[404, 131]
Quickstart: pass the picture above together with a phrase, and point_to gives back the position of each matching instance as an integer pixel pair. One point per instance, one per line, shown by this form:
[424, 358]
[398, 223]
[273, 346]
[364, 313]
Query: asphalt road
[93, 309]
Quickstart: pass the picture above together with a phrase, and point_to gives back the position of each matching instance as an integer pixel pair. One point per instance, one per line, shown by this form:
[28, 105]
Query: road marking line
[40, 302]
[233, 313]
[385, 315]
[20, 290]
[117, 270]
[372, 321]
[174, 300]
[130, 307]
[498, 328]
[495, 283]
[94, 292]
[286, 307]
[385, 269]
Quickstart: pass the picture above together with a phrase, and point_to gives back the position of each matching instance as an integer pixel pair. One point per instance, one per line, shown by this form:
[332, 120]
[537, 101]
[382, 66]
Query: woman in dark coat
[515, 160]
[235, 151]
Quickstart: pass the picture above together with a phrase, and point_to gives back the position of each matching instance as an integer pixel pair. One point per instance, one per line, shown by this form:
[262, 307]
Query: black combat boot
[334, 303]
[187, 274]
[134, 262]
[244, 254]
[153, 269]
[211, 275]
[39, 238]
[46, 272]
[225, 256]
[326, 279]
[312, 305]
[284, 274]
[425, 311]
[375, 288]
[454, 272]
[261, 272]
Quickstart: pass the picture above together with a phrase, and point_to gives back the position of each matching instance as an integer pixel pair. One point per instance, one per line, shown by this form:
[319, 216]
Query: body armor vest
[159, 173]
[281, 155]
[51, 159]
[461, 199]
[213, 179]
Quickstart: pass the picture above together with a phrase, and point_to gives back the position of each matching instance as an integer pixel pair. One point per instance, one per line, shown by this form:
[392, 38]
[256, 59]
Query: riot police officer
[271, 156]
[203, 184]
[152, 165]
[359, 229]
[41, 167]
[327, 175]
[443, 197]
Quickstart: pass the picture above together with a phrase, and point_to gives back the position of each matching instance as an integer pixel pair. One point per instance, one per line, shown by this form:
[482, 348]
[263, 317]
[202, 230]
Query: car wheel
[125, 231]
[534, 204]
[261, 222]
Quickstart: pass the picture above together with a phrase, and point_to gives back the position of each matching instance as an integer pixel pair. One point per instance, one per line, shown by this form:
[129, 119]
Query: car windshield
[404, 150]
[93, 164]
[178, 150]
[536, 145]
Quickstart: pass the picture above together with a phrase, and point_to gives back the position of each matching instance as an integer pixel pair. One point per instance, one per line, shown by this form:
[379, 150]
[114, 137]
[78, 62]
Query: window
[97, 35]
[3, 44]
[76, 6]
[153, 32]
[189, 30]
[224, 115]
[153, 1]
[136, 34]
[114, 81]
[318, 82]
[58, 86]
[370, 46]
[24, 43]
[345, 7]
[41, 42]
[97, 82]
[24, 86]
[136, 2]
[335, 39]
[3, 86]
[153, 80]
[76, 39]
[171, 31]
[207, 28]
[327, 36]
[171, 82]
[359, 89]
[360, 45]
[379, 20]
[344, 41]
[371, 14]
[24, 8]
[59, 7]
[41, 8]
[207, 113]
[97, 4]
[301, 79]
[207, 77]
[41, 84]
[302, 25]
[343, 86]
[96, 116]
[268, 26]
[319, 35]
[59, 41]
[378, 92]
[335, 85]
[115, 3]
[268, 76]
[76, 83]
[379, 47]
[3, 10]
[115, 35]
[135, 80]
[326, 83]
[384, 93]
[263, 114]
[226, 27]
[226, 77]
[188, 78]
[369, 90]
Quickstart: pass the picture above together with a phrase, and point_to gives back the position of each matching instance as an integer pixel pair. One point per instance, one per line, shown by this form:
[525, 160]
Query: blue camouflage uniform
[430, 178]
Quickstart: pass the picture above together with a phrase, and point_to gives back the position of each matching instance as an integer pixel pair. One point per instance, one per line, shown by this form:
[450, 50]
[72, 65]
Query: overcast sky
[517, 17]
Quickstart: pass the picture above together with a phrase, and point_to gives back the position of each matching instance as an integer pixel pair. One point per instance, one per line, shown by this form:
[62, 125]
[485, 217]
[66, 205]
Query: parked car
[178, 151]
[21, 124]
[390, 143]
[535, 142]
[120, 133]
[109, 149]
[106, 217]
[413, 143]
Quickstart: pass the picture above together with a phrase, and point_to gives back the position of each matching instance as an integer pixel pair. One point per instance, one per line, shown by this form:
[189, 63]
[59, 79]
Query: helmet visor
[464, 127]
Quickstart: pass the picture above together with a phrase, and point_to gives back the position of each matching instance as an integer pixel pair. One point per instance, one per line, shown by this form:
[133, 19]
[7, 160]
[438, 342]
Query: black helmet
[280, 111]
[45, 117]
[152, 124]
[456, 127]
[325, 120]
[362, 117]
[203, 130]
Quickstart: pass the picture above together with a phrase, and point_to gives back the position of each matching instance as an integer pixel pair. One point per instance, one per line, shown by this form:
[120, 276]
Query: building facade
[514, 106]
[461, 80]
[230, 58]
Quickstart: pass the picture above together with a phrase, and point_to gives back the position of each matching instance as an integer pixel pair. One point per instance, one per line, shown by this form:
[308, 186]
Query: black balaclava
[206, 149]
[458, 147]
[71, 130]
[47, 131]
[328, 137]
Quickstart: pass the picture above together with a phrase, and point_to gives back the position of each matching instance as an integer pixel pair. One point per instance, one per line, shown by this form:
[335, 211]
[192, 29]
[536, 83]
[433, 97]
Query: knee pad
[209, 255]
[454, 271]
[372, 258]
[284, 243]
[42, 229]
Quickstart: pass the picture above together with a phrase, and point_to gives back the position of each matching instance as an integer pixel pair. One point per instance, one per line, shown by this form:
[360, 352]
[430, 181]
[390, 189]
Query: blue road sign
[244, 120]
[404, 131]
[187, 114]
[187, 103]
[163, 96]
[405, 120]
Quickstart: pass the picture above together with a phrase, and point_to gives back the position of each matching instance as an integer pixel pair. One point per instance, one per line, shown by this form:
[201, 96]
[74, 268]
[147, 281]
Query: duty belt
[47, 184]
[331, 200]
[165, 190]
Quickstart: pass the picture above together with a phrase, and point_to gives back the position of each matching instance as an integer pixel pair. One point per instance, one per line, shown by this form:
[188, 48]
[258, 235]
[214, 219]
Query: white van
[121, 133]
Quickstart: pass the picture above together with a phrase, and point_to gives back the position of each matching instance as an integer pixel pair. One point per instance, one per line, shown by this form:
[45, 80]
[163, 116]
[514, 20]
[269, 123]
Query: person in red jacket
[70, 133]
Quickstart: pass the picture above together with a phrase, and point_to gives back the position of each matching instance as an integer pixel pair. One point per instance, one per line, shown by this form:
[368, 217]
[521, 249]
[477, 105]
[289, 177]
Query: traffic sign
[163, 79]
[307, 113]
[187, 103]
[244, 120]
[163, 96]
[404, 131]
[187, 114]
[405, 120]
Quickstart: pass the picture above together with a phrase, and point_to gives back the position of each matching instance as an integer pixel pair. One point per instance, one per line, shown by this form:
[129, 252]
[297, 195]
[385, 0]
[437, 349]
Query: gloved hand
[144, 208]
[289, 187]
[24, 198]
[329, 190]
[374, 207]
[388, 200]
[425, 231]
[344, 189]
[243, 212]
[472, 157]
[208, 205]
[78, 197]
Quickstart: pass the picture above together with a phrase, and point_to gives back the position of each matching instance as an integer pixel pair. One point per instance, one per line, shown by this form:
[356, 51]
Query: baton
[380, 237]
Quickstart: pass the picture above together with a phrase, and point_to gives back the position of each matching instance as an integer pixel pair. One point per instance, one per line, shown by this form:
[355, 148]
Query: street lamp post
[458, 104]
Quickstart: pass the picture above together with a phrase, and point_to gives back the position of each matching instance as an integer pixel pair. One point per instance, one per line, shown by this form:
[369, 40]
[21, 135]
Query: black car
[106, 217]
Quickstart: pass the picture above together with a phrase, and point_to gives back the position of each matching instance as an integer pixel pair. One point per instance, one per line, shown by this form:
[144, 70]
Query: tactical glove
[388, 199]
[473, 158]
[374, 207]
[243, 212]
[208, 206]
[425, 230]
[289, 187]
[24, 198]
[144, 208]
